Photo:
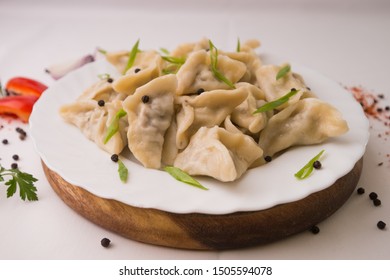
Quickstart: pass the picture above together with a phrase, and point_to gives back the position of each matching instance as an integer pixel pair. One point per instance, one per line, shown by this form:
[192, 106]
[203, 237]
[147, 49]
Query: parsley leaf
[276, 103]
[24, 181]
[305, 171]
[114, 126]
[184, 177]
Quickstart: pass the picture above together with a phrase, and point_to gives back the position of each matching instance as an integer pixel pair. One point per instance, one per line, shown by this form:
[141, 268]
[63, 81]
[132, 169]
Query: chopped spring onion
[283, 71]
[184, 177]
[132, 55]
[114, 126]
[305, 171]
[214, 69]
[276, 103]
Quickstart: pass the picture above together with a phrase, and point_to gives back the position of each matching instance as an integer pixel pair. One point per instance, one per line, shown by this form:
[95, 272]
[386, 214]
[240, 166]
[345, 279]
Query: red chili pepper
[19, 106]
[24, 86]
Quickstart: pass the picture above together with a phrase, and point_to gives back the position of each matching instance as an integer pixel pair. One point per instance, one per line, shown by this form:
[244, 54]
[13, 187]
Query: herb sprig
[114, 126]
[214, 62]
[238, 47]
[132, 55]
[276, 103]
[184, 177]
[24, 181]
[122, 171]
[283, 71]
[305, 171]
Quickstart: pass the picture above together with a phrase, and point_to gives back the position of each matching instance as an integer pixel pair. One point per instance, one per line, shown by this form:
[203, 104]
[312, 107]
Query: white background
[348, 42]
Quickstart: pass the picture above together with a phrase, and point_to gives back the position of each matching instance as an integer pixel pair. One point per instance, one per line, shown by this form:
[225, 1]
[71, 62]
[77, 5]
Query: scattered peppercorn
[317, 164]
[268, 158]
[200, 91]
[14, 166]
[380, 164]
[361, 191]
[5, 141]
[136, 70]
[15, 157]
[387, 108]
[293, 89]
[145, 98]
[315, 229]
[381, 225]
[110, 80]
[105, 242]
[101, 103]
[373, 195]
[22, 133]
[115, 158]
[377, 202]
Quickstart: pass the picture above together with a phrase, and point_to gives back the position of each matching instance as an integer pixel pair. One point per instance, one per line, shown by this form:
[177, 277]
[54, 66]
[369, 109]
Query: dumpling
[150, 110]
[243, 115]
[170, 149]
[101, 90]
[147, 66]
[94, 120]
[196, 73]
[274, 89]
[218, 153]
[183, 50]
[309, 121]
[208, 109]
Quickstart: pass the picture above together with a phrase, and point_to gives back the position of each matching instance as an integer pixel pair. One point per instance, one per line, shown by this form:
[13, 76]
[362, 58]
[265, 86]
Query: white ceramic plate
[79, 161]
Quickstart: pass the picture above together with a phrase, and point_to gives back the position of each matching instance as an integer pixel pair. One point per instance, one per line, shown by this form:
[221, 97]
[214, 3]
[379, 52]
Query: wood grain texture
[203, 231]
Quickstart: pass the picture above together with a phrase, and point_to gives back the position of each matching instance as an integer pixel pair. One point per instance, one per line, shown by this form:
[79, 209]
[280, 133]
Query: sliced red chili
[24, 86]
[19, 106]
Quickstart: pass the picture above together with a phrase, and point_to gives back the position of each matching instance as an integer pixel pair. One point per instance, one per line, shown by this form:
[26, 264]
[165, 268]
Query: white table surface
[347, 42]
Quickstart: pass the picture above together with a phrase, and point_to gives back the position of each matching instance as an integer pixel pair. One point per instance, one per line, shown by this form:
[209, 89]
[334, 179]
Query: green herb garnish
[114, 126]
[122, 171]
[24, 180]
[214, 62]
[276, 103]
[164, 51]
[174, 60]
[104, 76]
[102, 51]
[132, 55]
[283, 71]
[182, 176]
[238, 48]
[308, 168]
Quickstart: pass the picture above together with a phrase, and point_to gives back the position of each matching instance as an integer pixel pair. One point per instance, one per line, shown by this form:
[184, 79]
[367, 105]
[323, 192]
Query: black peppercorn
[105, 242]
[293, 89]
[15, 157]
[136, 70]
[110, 80]
[14, 166]
[115, 158]
[200, 91]
[360, 191]
[5, 141]
[381, 225]
[268, 158]
[387, 108]
[373, 195]
[317, 164]
[145, 98]
[377, 202]
[315, 229]
[101, 103]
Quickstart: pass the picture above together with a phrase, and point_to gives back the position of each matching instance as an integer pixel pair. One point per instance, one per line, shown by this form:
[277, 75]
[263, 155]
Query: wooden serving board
[203, 231]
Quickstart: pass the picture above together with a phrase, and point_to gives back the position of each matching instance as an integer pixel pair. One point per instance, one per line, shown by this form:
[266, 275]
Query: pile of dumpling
[190, 119]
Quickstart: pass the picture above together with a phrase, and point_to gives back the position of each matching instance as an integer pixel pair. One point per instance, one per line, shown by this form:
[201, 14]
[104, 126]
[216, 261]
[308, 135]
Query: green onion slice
[283, 71]
[122, 171]
[238, 48]
[184, 177]
[214, 61]
[132, 55]
[114, 126]
[308, 168]
[174, 60]
[164, 51]
[276, 103]
[104, 76]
